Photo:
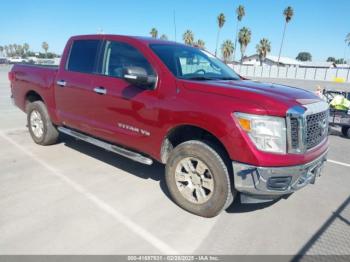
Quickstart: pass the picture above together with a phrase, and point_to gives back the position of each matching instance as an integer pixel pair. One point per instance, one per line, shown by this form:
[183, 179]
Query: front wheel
[198, 179]
[41, 129]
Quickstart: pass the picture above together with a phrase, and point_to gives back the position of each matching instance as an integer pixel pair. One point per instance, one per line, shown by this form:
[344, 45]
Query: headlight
[266, 132]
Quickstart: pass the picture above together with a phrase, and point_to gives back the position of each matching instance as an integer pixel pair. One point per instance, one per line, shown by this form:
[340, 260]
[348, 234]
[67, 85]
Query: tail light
[11, 76]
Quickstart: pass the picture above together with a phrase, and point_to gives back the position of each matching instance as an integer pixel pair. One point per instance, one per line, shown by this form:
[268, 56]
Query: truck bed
[29, 78]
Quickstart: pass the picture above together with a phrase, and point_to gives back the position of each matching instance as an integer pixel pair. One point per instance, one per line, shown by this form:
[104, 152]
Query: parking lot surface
[74, 198]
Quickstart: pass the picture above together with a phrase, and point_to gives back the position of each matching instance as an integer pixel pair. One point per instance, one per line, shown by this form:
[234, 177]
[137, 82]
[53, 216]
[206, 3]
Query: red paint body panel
[208, 105]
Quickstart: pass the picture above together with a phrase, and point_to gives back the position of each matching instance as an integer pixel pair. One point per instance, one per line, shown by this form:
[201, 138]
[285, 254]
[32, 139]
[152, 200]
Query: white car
[16, 60]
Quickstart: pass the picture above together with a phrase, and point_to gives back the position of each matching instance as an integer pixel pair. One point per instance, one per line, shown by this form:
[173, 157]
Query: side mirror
[139, 77]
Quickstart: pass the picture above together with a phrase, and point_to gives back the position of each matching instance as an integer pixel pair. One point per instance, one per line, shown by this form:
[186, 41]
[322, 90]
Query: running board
[113, 148]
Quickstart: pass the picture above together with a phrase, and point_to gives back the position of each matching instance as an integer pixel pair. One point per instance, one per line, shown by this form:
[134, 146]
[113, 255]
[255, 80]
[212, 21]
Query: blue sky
[319, 26]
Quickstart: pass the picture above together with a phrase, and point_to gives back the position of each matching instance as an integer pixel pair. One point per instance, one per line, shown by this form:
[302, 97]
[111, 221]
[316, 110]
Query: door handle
[61, 83]
[100, 90]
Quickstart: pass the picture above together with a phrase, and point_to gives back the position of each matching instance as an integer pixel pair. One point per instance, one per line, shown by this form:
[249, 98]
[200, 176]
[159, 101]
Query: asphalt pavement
[74, 198]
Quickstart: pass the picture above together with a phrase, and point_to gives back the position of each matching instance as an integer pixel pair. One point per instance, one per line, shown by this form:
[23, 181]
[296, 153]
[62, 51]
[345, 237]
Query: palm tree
[347, 43]
[6, 50]
[200, 44]
[154, 32]
[45, 46]
[221, 21]
[240, 11]
[164, 37]
[263, 48]
[244, 37]
[15, 48]
[19, 50]
[347, 39]
[288, 14]
[227, 50]
[188, 37]
[11, 50]
[25, 48]
[1, 49]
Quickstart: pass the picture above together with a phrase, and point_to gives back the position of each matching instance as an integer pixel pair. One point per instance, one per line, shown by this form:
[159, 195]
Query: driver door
[123, 113]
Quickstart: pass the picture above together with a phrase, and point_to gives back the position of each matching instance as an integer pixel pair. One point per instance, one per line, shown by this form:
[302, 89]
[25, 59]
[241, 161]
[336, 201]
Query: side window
[120, 55]
[83, 55]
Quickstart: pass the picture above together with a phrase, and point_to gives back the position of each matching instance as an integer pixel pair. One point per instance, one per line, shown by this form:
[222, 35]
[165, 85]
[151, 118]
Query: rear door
[73, 87]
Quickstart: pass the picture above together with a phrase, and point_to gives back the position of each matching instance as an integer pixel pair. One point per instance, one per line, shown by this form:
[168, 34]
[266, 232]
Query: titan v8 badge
[134, 129]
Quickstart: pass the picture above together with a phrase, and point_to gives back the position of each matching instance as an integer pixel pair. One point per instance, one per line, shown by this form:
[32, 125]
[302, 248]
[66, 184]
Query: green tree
[20, 50]
[1, 50]
[244, 37]
[221, 21]
[154, 32]
[227, 50]
[340, 61]
[288, 14]
[240, 12]
[188, 37]
[263, 48]
[304, 56]
[164, 37]
[45, 46]
[331, 59]
[200, 44]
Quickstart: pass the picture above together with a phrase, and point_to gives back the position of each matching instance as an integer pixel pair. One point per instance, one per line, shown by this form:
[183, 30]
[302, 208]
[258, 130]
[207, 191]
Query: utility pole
[174, 15]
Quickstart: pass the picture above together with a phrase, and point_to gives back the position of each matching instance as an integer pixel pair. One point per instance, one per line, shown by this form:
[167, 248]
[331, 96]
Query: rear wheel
[346, 131]
[41, 129]
[198, 179]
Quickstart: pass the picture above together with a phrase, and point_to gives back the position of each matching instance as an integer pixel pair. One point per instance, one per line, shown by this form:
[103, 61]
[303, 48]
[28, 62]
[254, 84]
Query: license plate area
[309, 177]
[314, 172]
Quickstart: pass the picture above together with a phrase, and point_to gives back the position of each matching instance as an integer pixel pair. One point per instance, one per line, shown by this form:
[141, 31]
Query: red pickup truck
[147, 99]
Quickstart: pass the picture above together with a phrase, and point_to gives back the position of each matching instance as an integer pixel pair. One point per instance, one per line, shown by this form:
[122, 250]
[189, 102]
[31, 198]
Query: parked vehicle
[148, 99]
[3, 60]
[16, 60]
[338, 117]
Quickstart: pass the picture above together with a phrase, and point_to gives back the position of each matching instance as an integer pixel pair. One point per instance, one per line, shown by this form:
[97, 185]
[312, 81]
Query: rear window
[83, 56]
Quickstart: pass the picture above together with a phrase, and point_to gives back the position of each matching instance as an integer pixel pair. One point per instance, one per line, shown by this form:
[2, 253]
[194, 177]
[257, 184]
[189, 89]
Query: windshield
[187, 62]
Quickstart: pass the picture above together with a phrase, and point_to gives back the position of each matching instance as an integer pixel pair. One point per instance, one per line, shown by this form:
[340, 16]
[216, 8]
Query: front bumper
[269, 183]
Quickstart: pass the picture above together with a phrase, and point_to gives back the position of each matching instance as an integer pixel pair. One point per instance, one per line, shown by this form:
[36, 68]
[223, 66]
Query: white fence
[310, 73]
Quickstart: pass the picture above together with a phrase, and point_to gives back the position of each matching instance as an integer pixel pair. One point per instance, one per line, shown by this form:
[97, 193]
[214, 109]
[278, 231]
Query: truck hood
[274, 98]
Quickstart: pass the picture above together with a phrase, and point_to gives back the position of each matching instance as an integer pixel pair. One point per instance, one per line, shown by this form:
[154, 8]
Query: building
[317, 64]
[270, 61]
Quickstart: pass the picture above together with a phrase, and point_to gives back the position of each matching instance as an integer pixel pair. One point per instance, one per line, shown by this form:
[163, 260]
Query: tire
[346, 131]
[41, 129]
[204, 190]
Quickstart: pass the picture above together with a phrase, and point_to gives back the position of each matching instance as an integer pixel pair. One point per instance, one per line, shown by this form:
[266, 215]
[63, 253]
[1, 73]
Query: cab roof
[143, 39]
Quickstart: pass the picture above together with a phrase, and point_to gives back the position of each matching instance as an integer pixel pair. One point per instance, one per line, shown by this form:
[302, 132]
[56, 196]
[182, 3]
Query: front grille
[316, 128]
[294, 132]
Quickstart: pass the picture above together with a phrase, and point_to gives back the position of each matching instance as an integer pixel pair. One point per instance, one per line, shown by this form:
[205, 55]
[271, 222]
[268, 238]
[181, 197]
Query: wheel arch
[186, 132]
[32, 96]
